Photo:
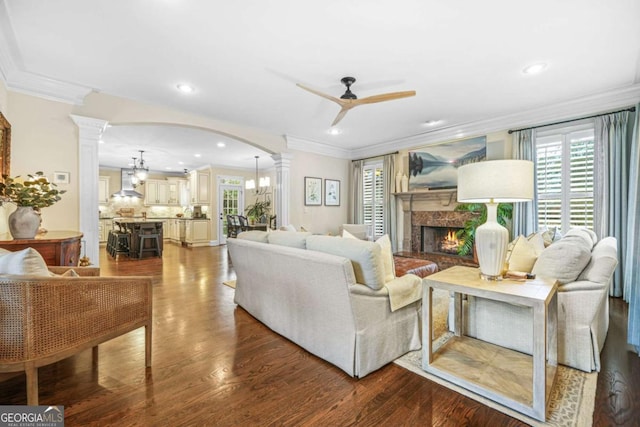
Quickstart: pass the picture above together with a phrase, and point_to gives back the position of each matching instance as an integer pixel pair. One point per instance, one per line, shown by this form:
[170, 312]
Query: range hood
[126, 187]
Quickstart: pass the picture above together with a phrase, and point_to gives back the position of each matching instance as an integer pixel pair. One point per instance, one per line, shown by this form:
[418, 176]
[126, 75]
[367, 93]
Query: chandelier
[139, 172]
[263, 183]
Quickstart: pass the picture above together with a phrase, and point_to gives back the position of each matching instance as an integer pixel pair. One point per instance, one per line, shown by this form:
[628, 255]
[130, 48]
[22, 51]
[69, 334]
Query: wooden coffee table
[510, 378]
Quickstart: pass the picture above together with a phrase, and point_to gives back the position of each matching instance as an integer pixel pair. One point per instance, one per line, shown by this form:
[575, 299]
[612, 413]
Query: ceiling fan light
[265, 181]
[250, 184]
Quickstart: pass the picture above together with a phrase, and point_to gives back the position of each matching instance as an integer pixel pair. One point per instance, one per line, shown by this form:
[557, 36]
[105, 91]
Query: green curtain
[356, 213]
[632, 252]
[612, 146]
[525, 214]
[389, 200]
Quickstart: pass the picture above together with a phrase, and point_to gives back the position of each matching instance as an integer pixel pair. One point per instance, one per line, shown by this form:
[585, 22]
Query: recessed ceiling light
[168, 168]
[459, 134]
[100, 141]
[334, 131]
[185, 88]
[181, 163]
[221, 144]
[432, 122]
[197, 155]
[535, 68]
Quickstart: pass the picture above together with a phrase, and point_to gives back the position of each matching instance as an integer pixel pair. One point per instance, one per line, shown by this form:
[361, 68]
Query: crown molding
[574, 109]
[302, 144]
[15, 78]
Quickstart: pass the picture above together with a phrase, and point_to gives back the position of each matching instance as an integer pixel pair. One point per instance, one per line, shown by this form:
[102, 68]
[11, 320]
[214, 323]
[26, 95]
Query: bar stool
[122, 244]
[149, 233]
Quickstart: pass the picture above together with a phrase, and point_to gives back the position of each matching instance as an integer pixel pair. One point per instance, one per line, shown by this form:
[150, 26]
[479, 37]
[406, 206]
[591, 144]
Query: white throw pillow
[27, 262]
[348, 235]
[537, 241]
[289, 227]
[293, 239]
[387, 258]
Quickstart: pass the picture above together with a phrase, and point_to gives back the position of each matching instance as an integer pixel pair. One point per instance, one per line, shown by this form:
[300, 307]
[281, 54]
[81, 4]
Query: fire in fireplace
[440, 240]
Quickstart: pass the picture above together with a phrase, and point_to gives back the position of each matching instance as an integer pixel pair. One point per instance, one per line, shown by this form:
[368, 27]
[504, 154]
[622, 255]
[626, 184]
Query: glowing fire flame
[450, 242]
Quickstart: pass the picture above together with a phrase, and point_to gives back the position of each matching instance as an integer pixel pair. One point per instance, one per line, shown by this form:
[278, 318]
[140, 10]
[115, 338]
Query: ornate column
[283, 186]
[89, 132]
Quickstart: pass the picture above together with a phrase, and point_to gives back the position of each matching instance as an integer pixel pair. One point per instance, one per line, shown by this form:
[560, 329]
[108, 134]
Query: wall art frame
[312, 191]
[331, 192]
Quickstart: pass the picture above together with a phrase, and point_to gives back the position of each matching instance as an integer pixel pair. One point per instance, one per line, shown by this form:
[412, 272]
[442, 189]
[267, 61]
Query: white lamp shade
[265, 181]
[503, 181]
[250, 184]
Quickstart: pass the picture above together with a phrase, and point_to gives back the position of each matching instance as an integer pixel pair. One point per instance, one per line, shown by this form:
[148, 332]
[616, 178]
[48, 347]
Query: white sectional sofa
[329, 295]
[584, 267]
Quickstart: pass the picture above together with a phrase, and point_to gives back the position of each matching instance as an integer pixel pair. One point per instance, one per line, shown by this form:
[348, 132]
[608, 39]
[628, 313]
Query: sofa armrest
[81, 271]
[582, 285]
[360, 289]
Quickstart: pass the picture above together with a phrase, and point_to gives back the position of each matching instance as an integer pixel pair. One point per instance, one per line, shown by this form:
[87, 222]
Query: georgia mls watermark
[31, 416]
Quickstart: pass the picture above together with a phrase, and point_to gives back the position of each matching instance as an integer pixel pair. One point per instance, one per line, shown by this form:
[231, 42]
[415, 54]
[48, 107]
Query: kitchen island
[137, 228]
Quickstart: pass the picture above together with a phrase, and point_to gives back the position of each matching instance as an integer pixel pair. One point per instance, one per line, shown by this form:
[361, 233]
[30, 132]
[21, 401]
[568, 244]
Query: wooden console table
[56, 247]
[515, 380]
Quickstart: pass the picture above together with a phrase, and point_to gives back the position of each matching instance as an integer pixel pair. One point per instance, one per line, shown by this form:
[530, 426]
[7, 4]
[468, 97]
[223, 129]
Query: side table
[510, 378]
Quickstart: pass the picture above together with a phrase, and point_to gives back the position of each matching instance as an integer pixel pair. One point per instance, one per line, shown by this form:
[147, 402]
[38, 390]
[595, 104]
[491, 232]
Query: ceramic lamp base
[491, 245]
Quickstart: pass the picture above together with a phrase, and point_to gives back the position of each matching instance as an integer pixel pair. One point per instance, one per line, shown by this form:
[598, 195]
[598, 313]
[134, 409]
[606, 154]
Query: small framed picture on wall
[312, 191]
[331, 192]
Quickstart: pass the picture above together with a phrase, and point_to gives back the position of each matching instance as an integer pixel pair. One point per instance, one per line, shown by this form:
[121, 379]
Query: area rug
[230, 283]
[572, 398]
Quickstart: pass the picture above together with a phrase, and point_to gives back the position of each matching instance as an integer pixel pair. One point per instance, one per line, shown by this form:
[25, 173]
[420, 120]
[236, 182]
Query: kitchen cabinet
[197, 232]
[164, 192]
[156, 192]
[199, 187]
[176, 230]
[104, 226]
[103, 189]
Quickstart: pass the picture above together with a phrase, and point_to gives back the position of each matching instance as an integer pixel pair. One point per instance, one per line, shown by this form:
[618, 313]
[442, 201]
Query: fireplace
[433, 237]
[441, 240]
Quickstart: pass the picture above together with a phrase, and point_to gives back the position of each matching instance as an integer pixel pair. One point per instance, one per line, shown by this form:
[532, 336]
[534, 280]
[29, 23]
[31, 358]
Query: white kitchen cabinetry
[156, 192]
[104, 226]
[199, 187]
[103, 189]
[197, 232]
[176, 230]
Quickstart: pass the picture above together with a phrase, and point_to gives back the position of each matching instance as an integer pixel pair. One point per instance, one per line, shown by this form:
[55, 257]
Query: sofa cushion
[365, 257]
[588, 235]
[27, 262]
[294, 239]
[254, 236]
[604, 259]
[386, 253]
[564, 260]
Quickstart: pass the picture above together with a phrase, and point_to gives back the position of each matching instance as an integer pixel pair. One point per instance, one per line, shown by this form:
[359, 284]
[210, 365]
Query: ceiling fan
[348, 100]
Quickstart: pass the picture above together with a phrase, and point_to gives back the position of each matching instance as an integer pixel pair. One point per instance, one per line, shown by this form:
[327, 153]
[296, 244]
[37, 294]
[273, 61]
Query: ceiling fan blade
[384, 97]
[324, 95]
[341, 115]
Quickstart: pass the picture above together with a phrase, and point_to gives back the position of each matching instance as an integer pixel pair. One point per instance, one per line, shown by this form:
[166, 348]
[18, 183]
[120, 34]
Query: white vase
[24, 223]
[405, 183]
[398, 182]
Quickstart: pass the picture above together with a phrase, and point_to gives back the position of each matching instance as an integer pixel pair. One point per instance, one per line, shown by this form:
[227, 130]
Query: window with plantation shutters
[564, 172]
[373, 198]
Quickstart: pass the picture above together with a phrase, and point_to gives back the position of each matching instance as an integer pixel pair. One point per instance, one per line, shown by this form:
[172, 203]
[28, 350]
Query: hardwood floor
[213, 364]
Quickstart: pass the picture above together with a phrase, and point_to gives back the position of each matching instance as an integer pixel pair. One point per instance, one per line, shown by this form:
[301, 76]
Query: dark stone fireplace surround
[438, 219]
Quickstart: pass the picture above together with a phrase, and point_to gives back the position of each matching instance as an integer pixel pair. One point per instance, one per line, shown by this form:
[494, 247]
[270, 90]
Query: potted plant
[467, 234]
[259, 211]
[30, 195]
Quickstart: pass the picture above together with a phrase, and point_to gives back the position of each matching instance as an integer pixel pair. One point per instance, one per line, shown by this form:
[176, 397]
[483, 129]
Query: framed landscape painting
[436, 166]
[312, 191]
[331, 192]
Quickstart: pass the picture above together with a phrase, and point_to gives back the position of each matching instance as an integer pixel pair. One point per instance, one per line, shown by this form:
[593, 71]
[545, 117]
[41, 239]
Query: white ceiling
[464, 59]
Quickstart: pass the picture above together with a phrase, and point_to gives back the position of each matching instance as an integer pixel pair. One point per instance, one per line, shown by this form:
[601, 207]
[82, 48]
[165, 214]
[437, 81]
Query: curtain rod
[373, 157]
[630, 109]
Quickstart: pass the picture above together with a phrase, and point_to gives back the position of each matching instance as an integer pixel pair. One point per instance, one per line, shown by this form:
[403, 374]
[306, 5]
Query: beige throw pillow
[27, 262]
[523, 255]
[387, 258]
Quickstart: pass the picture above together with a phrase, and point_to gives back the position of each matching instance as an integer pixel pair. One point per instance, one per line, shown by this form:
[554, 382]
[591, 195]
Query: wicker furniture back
[47, 319]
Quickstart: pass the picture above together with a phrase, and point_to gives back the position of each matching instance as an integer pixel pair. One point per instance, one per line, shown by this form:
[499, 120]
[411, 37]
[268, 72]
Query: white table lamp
[492, 182]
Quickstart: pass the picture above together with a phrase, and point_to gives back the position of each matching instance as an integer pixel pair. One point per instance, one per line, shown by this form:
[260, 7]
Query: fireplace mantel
[445, 197]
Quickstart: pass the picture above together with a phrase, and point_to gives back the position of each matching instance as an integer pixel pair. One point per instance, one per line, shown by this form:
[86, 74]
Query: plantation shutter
[373, 195]
[564, 173]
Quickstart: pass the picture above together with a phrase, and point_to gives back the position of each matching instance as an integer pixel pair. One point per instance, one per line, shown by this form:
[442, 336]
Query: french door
[230, 202]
